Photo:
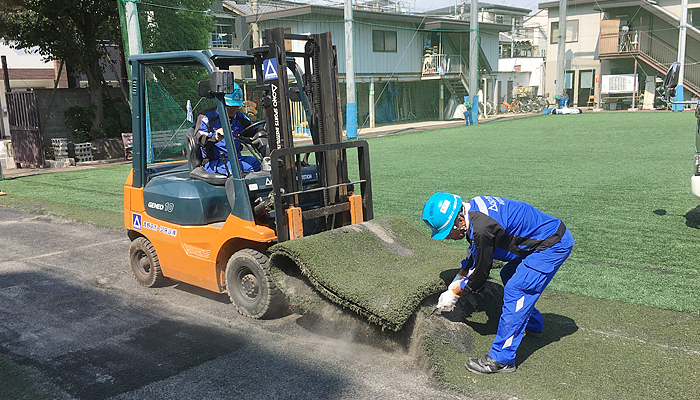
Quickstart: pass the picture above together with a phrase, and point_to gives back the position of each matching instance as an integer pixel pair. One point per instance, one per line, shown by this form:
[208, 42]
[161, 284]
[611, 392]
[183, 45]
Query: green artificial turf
[92, 195]
[619, 181]
[381, 269]
[590, 349]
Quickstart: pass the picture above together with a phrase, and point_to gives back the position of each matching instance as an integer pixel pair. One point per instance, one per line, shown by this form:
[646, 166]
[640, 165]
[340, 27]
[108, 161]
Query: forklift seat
[194, 159]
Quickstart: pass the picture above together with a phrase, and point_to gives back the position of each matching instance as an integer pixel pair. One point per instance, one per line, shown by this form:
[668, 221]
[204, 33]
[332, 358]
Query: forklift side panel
[178, 199]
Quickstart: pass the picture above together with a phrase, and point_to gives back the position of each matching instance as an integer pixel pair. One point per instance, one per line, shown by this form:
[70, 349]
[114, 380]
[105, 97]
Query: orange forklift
[213, 230]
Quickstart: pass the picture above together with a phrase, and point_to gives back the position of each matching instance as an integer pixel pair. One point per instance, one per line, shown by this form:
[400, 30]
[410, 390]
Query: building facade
[618, 51]
[414, 65]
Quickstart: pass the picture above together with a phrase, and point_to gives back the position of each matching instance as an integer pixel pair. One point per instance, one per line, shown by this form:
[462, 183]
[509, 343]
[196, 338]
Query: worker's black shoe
[487, 365]
[533, 334]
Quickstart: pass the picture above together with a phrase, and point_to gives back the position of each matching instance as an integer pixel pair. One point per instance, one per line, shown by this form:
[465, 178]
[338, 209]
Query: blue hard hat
[234, 99]
[440, 213]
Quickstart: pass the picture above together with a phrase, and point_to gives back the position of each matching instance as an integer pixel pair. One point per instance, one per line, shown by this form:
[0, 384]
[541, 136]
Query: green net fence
[158, 26]
[167, 123]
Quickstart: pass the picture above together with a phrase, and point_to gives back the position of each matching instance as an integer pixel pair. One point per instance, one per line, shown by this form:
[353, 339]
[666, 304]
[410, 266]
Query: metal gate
[23, 113]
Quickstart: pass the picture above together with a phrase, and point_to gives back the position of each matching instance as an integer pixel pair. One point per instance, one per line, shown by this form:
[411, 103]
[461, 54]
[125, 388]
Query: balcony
[638, 44]
[442, 64]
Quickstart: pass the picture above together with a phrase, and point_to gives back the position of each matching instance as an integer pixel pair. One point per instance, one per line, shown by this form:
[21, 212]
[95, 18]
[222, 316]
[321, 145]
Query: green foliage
[169, 26]
[117, 120]
[174, 27]
[72, 31]
[117, 117]
[79, 119]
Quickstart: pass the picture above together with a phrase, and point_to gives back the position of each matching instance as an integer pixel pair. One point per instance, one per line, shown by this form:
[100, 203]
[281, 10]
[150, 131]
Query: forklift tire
[144, 263]
[250, 285]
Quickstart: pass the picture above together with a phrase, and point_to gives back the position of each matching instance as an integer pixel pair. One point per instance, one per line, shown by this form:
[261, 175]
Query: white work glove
[219, 134]
[447, 300]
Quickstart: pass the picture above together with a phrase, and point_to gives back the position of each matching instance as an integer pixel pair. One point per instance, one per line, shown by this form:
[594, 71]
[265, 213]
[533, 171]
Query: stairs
[458, 87]
[653, 52]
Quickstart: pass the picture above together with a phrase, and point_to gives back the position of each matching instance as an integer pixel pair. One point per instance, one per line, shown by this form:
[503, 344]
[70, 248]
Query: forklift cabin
[212, 230]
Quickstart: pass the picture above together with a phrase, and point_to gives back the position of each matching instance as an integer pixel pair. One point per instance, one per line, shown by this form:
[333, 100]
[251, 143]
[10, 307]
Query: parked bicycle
[487, 108]
[513, 106]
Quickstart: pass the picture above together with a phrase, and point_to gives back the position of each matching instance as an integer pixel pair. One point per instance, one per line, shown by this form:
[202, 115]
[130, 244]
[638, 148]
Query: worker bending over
[533, 244]
[212, 141]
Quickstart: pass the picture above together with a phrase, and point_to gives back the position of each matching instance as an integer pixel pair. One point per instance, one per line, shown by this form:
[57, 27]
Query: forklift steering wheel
[250, 130]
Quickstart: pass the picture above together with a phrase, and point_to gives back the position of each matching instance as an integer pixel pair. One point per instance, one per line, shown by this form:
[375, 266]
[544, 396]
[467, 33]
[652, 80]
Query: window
[384, 41]
[694, 17]
[569, 80]
[571, 32]
[505, 51]
[223, 34]
[499, 19]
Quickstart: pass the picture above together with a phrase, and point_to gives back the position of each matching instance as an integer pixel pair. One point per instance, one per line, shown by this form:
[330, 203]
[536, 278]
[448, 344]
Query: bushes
[79, 119]
[117, 120]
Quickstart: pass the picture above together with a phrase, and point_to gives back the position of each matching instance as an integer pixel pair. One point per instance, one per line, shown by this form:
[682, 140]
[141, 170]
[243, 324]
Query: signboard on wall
[624, 83]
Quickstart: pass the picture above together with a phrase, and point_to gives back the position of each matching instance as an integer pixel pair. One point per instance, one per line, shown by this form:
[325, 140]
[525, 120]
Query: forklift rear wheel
[144, 263]
[250, 285]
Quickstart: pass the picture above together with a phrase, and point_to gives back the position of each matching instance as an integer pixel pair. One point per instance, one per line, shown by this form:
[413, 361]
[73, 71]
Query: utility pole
[561, 53]
[351, 103]
[132, 27]
[681, 55]
[254, 26]
[474, 61]
[371, 103]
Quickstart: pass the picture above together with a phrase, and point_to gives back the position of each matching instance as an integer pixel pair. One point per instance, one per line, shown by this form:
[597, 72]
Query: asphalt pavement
[75, 320]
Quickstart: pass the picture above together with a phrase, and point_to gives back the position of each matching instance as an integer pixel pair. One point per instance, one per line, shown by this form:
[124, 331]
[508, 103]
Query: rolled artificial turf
[381, 269]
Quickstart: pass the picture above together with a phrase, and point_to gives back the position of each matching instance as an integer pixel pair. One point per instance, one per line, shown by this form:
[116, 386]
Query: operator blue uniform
[533, 244]
[217, 160]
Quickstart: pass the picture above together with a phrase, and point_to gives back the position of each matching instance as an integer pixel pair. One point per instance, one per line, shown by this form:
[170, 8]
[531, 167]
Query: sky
[432, 4]
[425, 5]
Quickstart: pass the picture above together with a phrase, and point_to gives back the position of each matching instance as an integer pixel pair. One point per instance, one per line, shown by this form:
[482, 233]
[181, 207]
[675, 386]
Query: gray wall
[51, 111]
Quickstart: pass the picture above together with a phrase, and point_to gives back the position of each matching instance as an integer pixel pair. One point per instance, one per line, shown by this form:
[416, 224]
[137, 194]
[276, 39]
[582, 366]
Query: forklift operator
[214, 154]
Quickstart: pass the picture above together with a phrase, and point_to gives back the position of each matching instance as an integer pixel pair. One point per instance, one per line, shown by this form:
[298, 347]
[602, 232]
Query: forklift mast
[319, 88]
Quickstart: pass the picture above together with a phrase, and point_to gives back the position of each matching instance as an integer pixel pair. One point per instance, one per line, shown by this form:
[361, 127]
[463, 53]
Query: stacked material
[60, 148]
[381, 269]
[83, 152]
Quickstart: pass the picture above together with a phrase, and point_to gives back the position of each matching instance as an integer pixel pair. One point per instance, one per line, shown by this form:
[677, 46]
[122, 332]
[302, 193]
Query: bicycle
[514, 106]
[487, 108]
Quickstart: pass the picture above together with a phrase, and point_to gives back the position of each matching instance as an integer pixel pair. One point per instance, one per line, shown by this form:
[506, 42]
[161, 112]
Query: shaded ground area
[590, 349]
[74, 324]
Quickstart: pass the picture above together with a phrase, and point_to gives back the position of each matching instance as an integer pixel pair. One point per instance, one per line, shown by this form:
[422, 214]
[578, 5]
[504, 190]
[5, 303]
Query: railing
[651, 50]
[440, 64]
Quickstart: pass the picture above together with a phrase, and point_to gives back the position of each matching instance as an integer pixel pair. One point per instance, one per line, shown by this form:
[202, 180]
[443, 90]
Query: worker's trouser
[523, 284]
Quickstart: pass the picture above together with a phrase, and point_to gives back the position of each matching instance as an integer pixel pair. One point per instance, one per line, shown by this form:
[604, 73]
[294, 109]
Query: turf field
[622, 313]
[620, 182]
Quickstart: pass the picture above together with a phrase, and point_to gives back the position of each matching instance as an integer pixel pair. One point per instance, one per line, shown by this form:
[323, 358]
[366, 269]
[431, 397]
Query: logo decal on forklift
[270, 69]
[136, 221]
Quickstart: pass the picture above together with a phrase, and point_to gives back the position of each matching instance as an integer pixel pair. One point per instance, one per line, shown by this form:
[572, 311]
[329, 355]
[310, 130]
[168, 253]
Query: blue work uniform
[533, 244]
[217, 160]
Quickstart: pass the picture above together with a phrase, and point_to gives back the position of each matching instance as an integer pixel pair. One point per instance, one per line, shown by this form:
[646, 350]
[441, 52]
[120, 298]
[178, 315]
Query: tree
[168, 25]
[74, 31]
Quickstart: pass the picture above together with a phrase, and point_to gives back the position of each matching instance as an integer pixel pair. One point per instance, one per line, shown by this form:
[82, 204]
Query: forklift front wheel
[250, 285]
[144, 263]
